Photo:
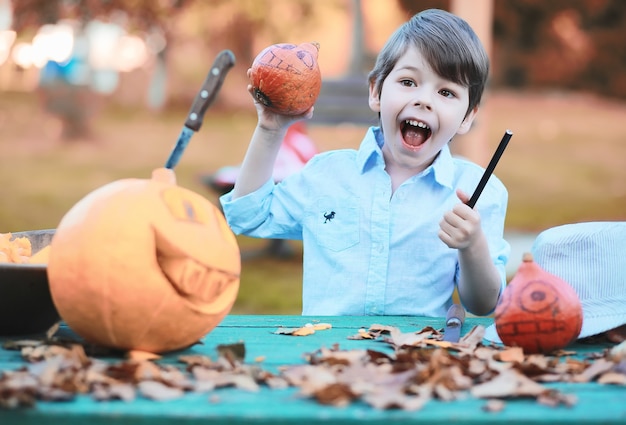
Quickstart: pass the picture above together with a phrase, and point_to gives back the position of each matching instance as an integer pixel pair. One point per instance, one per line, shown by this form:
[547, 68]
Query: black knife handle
[224, 61]
[456, 315]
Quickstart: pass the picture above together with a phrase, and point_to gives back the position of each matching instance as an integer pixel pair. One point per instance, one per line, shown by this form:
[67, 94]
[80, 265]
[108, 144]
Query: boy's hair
[448, 44]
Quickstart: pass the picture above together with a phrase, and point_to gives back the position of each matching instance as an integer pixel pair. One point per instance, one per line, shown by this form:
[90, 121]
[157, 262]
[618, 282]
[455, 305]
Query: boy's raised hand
[460, 227]
[273, 121]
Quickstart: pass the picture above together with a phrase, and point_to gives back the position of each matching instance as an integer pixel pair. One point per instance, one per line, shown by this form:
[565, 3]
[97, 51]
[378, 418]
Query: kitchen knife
[224, 61]
[454, 322]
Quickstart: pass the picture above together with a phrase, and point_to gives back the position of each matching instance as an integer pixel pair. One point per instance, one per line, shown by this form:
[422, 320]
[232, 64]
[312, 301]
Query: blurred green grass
[564, 164]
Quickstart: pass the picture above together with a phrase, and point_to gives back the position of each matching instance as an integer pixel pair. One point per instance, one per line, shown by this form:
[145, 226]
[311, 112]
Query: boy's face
[419, 111]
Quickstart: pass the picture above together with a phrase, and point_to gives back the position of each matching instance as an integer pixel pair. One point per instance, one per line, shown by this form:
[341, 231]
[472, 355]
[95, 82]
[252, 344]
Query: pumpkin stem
[262, 97]
[164, 175]
[527, 257]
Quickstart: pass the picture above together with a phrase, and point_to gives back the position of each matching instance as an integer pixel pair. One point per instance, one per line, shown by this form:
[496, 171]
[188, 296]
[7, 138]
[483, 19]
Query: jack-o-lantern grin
[526, 328]
[414, 132]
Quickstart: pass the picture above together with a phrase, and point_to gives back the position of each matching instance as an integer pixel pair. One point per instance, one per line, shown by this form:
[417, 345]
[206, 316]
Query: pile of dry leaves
[421, 367]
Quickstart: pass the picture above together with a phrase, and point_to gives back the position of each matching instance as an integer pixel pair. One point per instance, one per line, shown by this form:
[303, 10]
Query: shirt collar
[370, 154]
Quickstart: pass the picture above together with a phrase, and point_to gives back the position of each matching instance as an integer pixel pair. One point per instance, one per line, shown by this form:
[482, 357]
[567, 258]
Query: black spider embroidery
[329, 216]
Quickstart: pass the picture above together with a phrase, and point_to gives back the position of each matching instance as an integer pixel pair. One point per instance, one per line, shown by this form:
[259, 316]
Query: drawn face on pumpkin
[188, 255]
[536, 309]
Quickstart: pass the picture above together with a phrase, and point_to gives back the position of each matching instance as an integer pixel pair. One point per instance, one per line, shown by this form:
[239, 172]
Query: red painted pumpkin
[538, 311]
[286, 77]
[143, 264]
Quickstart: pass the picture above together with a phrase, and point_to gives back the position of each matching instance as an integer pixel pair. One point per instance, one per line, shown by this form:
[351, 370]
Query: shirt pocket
[335, 223]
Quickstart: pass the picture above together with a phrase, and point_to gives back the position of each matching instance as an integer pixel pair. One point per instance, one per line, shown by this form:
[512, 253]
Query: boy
[385, 228]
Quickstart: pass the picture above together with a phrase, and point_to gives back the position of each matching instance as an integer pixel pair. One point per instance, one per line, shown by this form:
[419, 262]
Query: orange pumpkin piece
[40, 257]
[286, 77]
[143, 264]
[538, 311]
[14, 250]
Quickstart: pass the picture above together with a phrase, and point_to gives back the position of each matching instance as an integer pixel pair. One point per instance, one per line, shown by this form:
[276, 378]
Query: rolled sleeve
[246, 213]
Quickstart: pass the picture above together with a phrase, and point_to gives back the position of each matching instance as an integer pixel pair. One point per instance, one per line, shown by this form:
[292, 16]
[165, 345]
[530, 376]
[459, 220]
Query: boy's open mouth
[414, 132]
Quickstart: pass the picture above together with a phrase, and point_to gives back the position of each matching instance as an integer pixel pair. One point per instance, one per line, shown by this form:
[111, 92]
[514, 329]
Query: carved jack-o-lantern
[286, 77]
[538, 311]
[143, 264]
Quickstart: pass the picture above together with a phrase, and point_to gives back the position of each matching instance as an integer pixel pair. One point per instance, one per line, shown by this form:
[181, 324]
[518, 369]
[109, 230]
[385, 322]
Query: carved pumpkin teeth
[415, 132]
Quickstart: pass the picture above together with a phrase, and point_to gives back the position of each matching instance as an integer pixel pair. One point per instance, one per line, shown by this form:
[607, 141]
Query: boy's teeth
[415, 123]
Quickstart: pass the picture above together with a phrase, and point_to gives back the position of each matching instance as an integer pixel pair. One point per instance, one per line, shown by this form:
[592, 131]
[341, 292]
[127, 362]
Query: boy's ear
[374, 98]
[467, 121]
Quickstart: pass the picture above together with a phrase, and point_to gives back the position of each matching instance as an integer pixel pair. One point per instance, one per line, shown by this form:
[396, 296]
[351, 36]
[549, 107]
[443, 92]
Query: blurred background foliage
[571, 44]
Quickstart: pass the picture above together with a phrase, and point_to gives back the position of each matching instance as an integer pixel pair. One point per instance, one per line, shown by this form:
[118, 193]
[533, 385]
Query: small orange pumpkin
[286, 77]
[538, 311]
[143, 264]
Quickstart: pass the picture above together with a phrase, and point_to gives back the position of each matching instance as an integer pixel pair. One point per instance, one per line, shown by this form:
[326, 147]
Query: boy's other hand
[460, 227]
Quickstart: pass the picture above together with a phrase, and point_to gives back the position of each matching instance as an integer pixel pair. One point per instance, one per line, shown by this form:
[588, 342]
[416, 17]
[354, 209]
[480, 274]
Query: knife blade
[454, 322]
[224, 61]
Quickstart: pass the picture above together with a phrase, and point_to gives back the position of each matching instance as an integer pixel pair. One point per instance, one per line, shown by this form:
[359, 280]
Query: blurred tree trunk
[475, 144]
[357, 53]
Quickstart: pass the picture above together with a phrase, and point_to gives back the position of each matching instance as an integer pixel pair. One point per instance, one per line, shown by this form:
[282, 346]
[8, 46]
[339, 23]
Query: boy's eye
[407, 83]
[446, 93]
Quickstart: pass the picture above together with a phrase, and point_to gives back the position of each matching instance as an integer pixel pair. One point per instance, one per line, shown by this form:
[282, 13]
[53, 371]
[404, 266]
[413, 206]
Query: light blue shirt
[366, 251]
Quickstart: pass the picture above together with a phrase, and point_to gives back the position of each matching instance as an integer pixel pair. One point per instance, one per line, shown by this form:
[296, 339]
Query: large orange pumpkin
[538, 311]
[143, 264]
[286, 77]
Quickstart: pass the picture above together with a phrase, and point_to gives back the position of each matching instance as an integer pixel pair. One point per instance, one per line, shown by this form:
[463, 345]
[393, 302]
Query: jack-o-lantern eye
[537, 296]
[184, 207]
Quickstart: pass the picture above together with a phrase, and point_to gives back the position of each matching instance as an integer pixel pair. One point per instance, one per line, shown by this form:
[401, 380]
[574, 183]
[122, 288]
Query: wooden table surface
[596, 403]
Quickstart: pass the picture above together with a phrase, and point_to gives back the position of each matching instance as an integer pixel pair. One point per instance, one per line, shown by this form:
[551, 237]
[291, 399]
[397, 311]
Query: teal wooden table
[597, 403]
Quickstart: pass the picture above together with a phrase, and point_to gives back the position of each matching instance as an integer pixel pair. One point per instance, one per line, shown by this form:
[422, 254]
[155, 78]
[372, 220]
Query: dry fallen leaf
[612, 378]
[618, 353]
[233, 352]
[155, 390]
[322, 326]
[335, 394]
[511, 354]
[142, 355]
[598, 367]
[307, 329]
[115, 391]
[363, 334]
[303, 331]
[494, 405]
